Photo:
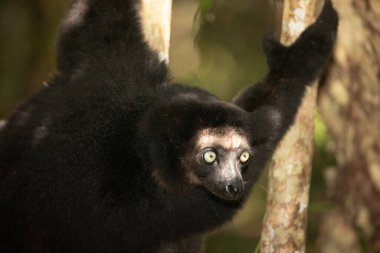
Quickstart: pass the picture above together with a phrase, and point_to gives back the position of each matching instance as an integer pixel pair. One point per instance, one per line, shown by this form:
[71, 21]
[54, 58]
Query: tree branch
[289, 172]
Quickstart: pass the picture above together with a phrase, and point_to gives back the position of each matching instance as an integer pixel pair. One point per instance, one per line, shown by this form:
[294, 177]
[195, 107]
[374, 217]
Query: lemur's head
[196, 143]
[217, 159]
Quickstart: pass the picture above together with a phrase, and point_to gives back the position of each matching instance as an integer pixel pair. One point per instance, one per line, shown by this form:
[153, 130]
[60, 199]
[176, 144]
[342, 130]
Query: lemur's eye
[209, 157]
[244, 157]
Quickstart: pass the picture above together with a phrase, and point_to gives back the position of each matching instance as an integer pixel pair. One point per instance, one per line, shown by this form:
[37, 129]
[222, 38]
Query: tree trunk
[289, 173]
[350, 105]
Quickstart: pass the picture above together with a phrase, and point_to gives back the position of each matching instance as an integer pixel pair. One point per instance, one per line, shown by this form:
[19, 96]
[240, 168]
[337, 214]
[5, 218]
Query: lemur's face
[220, 156]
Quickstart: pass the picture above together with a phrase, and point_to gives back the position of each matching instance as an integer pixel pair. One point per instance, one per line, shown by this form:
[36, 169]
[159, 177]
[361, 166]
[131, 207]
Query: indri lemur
[111, 156]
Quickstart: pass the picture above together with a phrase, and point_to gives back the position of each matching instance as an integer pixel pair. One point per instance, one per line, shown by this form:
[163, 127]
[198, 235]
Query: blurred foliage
[216, 44]
[204, 7]
[27, 32]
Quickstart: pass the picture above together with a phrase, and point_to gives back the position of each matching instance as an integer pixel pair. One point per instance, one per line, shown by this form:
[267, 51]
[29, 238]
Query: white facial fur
[228, 137]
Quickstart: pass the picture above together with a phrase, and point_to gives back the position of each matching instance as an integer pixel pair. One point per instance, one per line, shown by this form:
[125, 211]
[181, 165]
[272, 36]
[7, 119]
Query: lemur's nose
[234, 189]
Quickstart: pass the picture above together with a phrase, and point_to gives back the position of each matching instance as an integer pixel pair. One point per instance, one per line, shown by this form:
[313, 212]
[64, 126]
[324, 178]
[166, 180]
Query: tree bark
[350, 105]
[156, 18]
[289, 172]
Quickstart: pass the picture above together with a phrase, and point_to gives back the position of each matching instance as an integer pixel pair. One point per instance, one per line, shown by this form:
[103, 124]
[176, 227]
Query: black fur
[77, 160]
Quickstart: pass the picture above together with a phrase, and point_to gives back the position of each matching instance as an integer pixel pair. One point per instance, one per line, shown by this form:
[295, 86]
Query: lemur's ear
[265, 124]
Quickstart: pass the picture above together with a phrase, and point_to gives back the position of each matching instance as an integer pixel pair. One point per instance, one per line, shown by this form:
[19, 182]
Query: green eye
[244, 157]
[209, 157]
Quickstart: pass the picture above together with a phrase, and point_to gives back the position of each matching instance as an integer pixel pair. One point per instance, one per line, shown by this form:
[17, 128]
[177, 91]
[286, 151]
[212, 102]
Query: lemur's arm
[106, 36]
[291, 69]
